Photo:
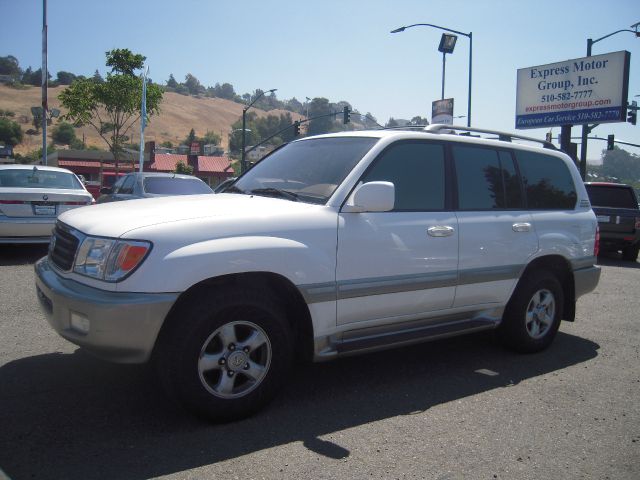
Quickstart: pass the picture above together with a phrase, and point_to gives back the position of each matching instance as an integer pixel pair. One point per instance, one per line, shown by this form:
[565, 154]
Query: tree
[191, 138]
[97, 78]
[319, 107]
[193, 85]
[66, 78]
[418, 120]
[391, 123]
[64, 133]
[172, 81]
[112, 107]
[9, 66]
[33, 77]
[10, 132]
[183, 168]
[621, 164]
[211, 138]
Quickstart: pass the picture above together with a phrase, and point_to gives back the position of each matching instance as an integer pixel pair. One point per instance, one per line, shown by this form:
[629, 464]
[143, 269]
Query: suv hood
[117, 218]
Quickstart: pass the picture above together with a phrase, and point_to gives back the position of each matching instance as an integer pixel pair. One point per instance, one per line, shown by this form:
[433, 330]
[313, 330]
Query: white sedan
[32, 196]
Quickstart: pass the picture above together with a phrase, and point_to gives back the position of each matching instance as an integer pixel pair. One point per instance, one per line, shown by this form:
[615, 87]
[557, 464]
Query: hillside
[178, 115]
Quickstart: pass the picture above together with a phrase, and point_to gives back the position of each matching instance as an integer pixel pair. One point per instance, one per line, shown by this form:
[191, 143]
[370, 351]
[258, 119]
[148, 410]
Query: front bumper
[117, 326]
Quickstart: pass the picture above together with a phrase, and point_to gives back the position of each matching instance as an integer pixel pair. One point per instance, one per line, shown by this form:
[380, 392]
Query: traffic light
[610, 142]
[548, 137]
[346, 113]
[296, 128]
[632, 114]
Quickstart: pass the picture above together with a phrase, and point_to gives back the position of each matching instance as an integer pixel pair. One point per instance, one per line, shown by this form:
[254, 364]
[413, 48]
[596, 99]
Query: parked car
[152, 184]
[31, 197]
[331, 245]
[616, 208]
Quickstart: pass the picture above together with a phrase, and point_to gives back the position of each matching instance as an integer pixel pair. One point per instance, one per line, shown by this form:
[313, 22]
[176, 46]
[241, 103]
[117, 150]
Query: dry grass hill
[178, 115]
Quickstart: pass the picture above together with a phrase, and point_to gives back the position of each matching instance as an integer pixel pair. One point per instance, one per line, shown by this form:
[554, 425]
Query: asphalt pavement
[463, 408]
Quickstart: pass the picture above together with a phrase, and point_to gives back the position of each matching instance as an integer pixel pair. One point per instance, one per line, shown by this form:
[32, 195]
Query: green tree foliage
[191, 138]
[391, 123]
[10, 132]
[171, 83]
[183, 168]
[193, 85]
[211, 138]
[622, 165]
[64, 133]
[112, 107]
[418, 120]
[320, 107]
[124, 62]
[261, 128]
[65, 78]
[9, 65]
[97, 78]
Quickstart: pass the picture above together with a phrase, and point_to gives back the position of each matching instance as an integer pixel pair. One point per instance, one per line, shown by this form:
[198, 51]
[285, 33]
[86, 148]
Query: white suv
[332, 245]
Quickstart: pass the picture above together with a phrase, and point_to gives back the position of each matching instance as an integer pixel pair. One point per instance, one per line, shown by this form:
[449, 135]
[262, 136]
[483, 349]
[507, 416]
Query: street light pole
[586, 129]
[468, 35]
[243, 161]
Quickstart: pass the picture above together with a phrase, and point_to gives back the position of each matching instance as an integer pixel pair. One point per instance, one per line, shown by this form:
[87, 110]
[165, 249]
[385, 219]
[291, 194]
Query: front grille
[63, 247]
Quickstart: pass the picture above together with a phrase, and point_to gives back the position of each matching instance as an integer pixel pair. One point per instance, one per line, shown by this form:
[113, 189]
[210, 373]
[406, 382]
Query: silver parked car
[152, 184]
[31, 197]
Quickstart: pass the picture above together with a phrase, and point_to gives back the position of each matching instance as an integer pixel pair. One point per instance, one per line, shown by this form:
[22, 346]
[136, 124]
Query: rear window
[609, 196]
[175, 186]
[547, 182]
[21, 178]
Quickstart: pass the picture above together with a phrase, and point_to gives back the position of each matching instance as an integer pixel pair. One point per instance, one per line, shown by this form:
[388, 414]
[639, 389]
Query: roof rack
[501, 136]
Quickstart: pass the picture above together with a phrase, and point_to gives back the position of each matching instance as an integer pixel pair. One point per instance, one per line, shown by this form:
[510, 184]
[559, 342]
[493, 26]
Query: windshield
[39, 179]
[175, 186]
[307, 170]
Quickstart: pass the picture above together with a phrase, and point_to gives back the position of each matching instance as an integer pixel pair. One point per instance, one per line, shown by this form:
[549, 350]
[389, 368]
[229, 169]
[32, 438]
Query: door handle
[440, 231]
[521, 227]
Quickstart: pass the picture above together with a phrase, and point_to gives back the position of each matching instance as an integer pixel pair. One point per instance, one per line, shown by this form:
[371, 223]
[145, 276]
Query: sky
[337, 49]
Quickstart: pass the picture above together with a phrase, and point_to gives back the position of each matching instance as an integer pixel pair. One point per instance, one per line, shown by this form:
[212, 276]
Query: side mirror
[372, 197]
[105, 190]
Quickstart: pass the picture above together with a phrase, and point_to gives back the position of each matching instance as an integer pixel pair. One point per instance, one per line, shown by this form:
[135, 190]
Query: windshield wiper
[232, 189]
[275, 192]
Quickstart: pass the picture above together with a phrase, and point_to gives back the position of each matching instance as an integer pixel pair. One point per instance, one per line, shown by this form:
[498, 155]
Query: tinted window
[417, 171]
[608, 196]
[38, 179]
[480, 179]
[175, 186]
[547, 182]
[512, 187]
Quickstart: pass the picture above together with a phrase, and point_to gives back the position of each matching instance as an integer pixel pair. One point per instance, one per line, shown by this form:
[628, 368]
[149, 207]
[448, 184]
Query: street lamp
[447, 44]
[585, 128]
[470, 36]
[243, 162]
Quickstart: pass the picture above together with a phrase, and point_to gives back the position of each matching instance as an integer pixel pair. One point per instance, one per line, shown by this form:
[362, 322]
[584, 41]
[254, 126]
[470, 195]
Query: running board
[376, 341]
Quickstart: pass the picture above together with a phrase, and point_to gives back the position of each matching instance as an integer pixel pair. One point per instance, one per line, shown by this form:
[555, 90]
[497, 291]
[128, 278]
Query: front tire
[532, 316]
[224, 356]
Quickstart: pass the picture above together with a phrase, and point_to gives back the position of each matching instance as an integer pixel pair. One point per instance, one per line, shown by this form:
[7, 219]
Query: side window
[547, 182]
[512, 187]
[417, 171]
[487, 179]
[127, 186]
[479, 177]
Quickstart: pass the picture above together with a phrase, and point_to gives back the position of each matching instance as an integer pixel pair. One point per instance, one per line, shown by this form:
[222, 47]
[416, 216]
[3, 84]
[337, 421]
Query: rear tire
[532, 316]
[223, 356]
[630, 253]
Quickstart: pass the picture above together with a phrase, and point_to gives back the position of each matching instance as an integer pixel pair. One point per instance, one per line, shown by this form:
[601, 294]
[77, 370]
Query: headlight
[109, 259]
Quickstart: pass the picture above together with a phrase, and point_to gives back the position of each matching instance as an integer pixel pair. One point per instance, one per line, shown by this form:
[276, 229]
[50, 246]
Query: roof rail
[406, 127]
[501, 136]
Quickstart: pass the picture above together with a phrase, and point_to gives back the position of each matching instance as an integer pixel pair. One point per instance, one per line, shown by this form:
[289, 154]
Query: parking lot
[454, 409]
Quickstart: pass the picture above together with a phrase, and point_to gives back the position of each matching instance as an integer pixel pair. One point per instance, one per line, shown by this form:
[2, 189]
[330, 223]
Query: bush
[64, 133]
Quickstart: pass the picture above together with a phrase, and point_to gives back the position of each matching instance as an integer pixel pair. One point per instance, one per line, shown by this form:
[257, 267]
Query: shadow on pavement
[614, 259]
[75, 417]
[12, 254]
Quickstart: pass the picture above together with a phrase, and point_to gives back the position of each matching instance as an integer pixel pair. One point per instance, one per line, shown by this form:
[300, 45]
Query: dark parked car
[147, 184]
[616, 208]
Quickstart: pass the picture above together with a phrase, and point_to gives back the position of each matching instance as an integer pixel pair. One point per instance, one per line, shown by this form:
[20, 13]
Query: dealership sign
[584, 90]
[442, 111]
